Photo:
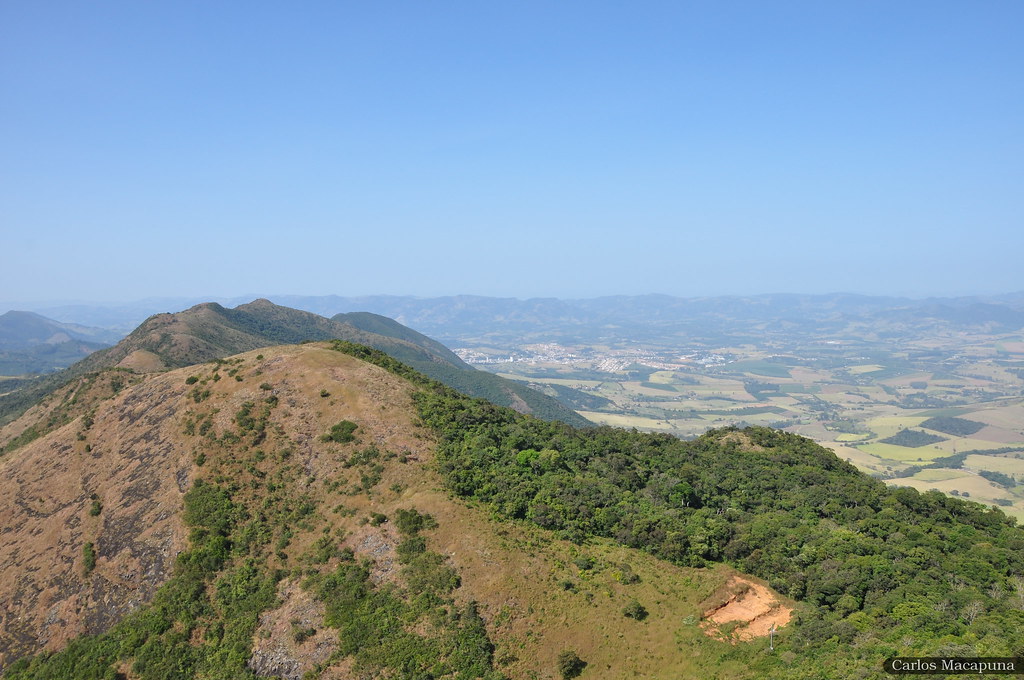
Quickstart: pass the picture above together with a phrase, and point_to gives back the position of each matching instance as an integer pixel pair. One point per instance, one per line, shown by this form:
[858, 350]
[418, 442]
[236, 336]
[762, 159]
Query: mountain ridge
[453, 319]
[337, 500]
[32, 343]
[210, 331]
[273, 508]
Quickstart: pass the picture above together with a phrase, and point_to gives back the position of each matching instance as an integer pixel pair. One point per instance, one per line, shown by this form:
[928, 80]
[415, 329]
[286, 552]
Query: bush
[411, 522]
[300, 634]
[570, 665]
[408, 550]
[342, 433]
[626, 575]
[635, 610]
[89, 557]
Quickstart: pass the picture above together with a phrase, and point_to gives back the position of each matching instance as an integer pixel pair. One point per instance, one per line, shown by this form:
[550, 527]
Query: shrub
[89, 557]
[570, 665]
[635, 610]
[342, 433]
[626, 575]
[408, 550]
[300, 634]
[411, 522]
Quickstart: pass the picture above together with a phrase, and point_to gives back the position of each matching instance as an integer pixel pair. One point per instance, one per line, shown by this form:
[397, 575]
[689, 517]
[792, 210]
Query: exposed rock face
[129, 463]
[292, 639]
[116, 479]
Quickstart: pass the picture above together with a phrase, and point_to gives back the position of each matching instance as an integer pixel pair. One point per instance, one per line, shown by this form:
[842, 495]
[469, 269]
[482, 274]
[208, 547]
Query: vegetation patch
[570, 665]
[201, 622]
[343, 432]
[811, 525]
[958, 427]
[766, 369]
[912, 439]
[665, 387]
[414, 632]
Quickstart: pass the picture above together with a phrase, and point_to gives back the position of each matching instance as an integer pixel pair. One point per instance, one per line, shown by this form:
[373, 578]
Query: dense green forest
[882, 571]
[912, 439]
[958, 427]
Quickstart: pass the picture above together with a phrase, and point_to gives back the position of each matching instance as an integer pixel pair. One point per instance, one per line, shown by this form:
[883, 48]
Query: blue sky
[568, 149]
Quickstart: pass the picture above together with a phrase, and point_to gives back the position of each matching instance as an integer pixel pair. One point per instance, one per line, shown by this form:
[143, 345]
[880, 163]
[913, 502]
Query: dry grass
[1008, 464]
[535, 600]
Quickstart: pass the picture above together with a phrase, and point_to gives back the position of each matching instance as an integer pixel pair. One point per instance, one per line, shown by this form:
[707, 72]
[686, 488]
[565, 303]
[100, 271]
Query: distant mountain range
[210, 331]
[30, 343]
[463, 319]
[323, 510]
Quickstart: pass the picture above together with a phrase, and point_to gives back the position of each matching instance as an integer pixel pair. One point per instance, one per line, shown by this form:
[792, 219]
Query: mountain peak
[259, 303]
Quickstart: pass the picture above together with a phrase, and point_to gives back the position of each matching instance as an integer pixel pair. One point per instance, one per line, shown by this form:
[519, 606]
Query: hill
[209, 331]
[286, 535]
[382, 325]
[340, 514]
[30, 343]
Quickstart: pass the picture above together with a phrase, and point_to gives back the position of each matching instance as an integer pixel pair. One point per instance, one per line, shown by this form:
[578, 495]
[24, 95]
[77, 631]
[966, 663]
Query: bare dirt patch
[743, 441]
[744, 610]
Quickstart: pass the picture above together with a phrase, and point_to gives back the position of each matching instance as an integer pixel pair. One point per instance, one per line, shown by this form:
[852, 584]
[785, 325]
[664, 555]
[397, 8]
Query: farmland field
[849, 395]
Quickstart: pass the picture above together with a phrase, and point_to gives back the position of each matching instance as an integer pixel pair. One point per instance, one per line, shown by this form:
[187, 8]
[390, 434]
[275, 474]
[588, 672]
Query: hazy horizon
[35, 306]
[536, 150]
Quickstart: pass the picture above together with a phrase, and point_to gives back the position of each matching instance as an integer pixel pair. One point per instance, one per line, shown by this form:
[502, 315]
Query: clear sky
[568, 149]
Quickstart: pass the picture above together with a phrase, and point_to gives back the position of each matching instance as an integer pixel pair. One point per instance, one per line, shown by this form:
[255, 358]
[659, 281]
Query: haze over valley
[305, 473]
[523, 341]
[923, 393]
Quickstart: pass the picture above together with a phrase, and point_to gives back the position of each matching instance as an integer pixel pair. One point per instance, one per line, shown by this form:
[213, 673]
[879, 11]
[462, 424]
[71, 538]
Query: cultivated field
[866, 401]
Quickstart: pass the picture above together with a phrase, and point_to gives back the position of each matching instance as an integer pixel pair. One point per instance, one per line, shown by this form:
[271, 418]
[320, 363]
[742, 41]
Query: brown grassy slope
[208, 331]
[202, 333]
[138, 470]
[536, 601]
[63, 405]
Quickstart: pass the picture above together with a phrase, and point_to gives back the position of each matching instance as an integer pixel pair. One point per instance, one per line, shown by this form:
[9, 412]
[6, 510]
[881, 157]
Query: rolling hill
[336, 514]
[209, 331]
[30, 343]
[241, 480]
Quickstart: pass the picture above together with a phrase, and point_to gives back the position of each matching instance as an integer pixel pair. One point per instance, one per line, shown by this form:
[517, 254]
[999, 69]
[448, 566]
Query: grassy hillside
[885, 571]
[382, 325]
[349, 517]
[296, 547]
[209, 331]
